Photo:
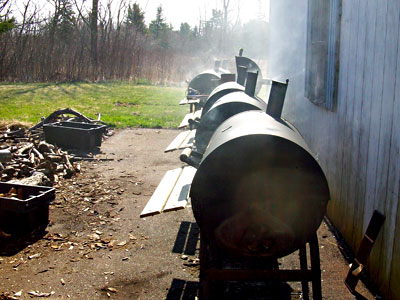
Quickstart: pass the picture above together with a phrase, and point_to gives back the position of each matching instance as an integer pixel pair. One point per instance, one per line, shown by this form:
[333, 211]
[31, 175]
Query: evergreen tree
[6, 24]
[158, 26]
[185, 30]
[135, 18]
[63, 21]
[160, 29]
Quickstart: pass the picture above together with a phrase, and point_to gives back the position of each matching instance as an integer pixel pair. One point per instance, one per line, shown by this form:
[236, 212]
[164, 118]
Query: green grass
[121, 104]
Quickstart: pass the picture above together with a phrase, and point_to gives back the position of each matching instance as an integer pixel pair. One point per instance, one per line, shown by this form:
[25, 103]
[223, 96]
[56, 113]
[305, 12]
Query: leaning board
[172, 193]
[183, 140]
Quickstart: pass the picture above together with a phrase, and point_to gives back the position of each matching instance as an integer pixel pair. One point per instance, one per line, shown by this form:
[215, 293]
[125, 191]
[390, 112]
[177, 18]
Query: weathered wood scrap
[177, 141]
[160, 196]
[180, 194]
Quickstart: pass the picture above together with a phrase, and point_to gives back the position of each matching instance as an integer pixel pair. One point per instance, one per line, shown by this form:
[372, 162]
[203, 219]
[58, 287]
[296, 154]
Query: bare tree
[93, 34]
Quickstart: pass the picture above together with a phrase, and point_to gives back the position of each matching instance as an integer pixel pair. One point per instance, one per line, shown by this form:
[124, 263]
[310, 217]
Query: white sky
[180, 11]
[190, 11]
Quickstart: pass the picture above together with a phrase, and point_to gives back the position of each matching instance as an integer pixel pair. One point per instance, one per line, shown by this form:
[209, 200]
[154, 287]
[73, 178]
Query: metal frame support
[212, 272]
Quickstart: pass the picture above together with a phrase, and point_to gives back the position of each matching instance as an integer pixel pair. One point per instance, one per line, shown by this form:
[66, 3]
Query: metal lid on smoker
[227, 106]
[205, 82]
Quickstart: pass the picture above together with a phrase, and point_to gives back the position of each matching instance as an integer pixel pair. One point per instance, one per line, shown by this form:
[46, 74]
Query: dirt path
[97, 247]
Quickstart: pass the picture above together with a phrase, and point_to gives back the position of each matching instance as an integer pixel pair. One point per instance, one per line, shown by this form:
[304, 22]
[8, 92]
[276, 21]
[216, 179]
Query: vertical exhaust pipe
[277, 98]
[241, 75]
[251, 83]
[241, 52]
[217, 64]
[227, 78]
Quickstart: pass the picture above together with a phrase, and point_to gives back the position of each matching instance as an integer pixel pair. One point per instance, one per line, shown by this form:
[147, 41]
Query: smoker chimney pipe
[240, 51]
[217, 64]
[241, 76]
[227, 77]
[277, 98]
[251, 83]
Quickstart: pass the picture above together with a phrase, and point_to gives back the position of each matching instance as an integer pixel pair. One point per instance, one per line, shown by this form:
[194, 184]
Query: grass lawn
[120, 104]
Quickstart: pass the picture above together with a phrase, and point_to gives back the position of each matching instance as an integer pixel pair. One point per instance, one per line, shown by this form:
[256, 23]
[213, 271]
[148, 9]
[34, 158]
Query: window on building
[322, 52]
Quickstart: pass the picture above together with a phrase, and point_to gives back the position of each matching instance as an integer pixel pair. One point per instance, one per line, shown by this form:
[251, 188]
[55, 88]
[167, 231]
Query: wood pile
[26, 158]
[33, 161]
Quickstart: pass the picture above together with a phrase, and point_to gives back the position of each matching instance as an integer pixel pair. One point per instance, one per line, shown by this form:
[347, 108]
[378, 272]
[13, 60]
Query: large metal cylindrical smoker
[258, 190]
[258, 193]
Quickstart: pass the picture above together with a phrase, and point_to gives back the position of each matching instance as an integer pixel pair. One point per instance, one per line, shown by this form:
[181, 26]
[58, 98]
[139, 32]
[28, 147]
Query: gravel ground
[97, 247]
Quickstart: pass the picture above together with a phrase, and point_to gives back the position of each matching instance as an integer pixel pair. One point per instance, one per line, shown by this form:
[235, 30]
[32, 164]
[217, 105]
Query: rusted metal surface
[361, 259]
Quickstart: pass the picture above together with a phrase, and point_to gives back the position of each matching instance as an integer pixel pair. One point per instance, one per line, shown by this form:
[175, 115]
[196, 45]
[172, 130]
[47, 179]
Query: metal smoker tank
[258, 190]
[204, 83]
[220, 91]
[224, 108]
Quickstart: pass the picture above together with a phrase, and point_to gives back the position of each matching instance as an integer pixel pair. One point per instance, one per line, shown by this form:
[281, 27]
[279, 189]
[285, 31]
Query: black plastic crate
[30, 212]
[74, 135]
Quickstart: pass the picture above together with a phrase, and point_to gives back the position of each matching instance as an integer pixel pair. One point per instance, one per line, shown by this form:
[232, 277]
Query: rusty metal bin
[27, 211]
[74, 135]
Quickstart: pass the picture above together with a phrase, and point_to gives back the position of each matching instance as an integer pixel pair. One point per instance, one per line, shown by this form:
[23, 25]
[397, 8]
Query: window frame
[329, 99]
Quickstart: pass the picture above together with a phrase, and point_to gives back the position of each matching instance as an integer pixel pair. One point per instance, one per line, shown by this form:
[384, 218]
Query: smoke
[287, 52]
[287, 40]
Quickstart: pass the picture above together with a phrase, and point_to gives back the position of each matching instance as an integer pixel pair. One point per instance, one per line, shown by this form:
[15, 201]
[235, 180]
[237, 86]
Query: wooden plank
[185, 121]
[345, 39]
[366, 134]
[395, 270]
[180, 194]
[363, 252]
[355, 180]
[393, 192]
[183, 101]
[161, 194]
[193, 101]
[180, 138]
[366, 96]
[197, 114]
[385, 188]
[374, 152]
[188, 142]
[349, 180]
[193, 116]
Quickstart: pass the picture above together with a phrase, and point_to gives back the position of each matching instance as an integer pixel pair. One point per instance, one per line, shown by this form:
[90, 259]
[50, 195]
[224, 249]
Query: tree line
[75, 43]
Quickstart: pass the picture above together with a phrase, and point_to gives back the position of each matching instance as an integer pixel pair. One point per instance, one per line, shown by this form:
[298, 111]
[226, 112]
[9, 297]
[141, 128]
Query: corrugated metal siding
[358, 145]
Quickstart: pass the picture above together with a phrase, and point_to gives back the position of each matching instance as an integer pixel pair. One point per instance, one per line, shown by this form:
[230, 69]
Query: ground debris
[7, 296]
[33, 161]
[40, 294]
[34, 256]
[111, 289]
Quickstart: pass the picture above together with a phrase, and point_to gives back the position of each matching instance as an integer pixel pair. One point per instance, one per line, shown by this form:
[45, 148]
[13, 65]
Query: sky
[180, 11]
[191, 11]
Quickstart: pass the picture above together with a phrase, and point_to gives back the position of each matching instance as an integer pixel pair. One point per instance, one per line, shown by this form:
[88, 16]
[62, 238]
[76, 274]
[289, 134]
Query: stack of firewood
[29, 159]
